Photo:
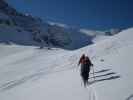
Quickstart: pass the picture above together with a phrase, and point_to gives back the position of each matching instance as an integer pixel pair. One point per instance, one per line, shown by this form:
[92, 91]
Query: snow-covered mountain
[14, 26]
[32, 74]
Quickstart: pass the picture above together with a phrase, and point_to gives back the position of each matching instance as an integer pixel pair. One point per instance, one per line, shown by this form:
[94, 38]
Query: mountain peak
[6, 8]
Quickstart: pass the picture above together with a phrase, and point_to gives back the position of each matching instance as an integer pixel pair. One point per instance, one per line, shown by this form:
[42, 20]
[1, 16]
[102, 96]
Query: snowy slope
[98, 36]
[114, 56]
[34, 74]
[118, 56]
[28, 73]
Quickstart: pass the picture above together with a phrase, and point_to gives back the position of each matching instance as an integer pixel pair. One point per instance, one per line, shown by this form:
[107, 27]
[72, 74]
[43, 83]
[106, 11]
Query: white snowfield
[29, 73]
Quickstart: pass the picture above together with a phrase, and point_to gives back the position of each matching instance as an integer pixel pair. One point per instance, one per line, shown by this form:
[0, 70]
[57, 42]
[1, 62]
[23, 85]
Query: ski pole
[93, 73]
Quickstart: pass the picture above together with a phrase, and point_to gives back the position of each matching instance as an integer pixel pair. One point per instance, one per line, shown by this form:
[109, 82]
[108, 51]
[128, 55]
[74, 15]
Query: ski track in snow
[130, 97]
[42, 72]
[92, 94]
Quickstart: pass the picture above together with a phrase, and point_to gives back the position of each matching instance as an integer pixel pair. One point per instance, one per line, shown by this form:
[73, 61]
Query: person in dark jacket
[85, 68]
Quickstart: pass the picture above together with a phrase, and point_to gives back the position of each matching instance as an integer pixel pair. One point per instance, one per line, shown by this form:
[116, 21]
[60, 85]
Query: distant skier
[85, 68]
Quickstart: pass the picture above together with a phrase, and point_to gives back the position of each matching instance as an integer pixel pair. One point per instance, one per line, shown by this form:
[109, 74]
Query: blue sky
[91, 14]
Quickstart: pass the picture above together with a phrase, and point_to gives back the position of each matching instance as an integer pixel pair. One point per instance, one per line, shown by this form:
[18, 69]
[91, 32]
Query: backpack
[87, 61]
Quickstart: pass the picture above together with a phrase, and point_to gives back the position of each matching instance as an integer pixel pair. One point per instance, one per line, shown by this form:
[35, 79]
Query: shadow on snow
[103, 77]
[130, 97]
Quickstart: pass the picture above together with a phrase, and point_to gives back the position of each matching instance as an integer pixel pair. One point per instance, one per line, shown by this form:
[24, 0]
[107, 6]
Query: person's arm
[92, 65]
[90, 62]
[79, 62]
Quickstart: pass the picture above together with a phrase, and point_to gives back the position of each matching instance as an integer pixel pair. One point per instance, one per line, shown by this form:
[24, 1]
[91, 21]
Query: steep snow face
[38, 31]
[58, 24]
[111, 43]
[15, 35]
[95, 33]
[98, 36]
[117, 53]
[90, 32]
[4, 16]
[113, 56]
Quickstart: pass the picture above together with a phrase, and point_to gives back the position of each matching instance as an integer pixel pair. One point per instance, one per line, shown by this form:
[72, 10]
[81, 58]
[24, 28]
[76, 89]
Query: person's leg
[82, 77]
[88, 73]
[85, 83]
[86, 78]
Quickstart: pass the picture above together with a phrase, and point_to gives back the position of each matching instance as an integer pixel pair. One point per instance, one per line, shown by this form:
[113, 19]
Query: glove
[92, 65]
